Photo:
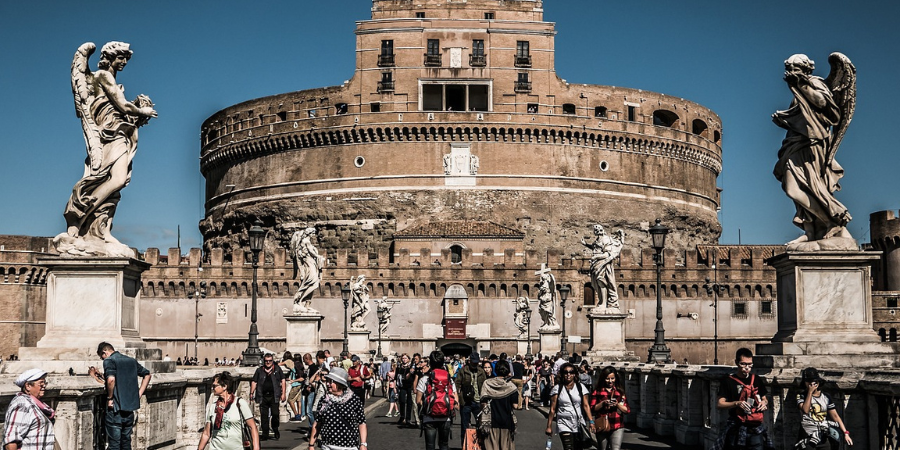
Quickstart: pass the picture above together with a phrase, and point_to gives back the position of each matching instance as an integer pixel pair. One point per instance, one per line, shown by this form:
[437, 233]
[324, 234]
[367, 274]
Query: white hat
[30, 375]
[338, 375]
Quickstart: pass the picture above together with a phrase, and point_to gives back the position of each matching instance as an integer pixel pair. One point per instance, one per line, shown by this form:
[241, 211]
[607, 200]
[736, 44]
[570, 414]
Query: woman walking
[29, 421]
[404, 379]
[393, 409]
[608, 403]
[502, 395]
[569, 407]
[340, 421]
[818, 408]
[488, 369]
[225, 418]
[545, 382]
[528, 384]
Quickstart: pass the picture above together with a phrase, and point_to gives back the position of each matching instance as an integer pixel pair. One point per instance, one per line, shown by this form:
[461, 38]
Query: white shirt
[568, 407]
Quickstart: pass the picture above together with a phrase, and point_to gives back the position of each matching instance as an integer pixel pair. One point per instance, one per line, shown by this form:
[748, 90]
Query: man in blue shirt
[122, 393]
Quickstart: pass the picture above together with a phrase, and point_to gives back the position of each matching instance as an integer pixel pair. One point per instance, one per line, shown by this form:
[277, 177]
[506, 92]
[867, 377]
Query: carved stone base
[608, 336]
[358, 342]
[303, 333]
[550, 341]
[825, 313]
[89, 246]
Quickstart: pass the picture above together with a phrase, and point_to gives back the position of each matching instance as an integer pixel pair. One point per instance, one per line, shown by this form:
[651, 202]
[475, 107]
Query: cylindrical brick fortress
[456, 112]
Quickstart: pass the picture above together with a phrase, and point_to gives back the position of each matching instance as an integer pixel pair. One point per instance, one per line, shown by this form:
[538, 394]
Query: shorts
[295, 394]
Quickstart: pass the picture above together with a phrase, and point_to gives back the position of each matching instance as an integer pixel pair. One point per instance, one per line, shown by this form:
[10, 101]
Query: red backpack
[749, 394]
[439, 401]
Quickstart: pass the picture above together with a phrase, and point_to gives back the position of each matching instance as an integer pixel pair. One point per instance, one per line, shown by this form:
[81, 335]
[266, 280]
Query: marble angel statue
[359, 302]
[110, 125]
[308, 266]
[547, 300]
[816, 121]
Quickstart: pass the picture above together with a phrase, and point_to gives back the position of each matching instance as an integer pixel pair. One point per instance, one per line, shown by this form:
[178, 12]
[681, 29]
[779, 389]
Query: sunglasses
[743, 364]
[269, 361]
[568, 372]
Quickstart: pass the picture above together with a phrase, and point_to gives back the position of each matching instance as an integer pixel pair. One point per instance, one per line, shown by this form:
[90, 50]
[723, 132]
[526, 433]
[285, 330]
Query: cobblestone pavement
[384, 434]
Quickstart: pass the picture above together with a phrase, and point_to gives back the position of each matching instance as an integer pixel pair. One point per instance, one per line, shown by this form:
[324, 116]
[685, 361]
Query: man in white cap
[29, 421]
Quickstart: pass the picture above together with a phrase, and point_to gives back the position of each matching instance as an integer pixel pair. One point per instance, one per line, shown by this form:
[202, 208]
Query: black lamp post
[380, 313]
[715, 289]
[253, 355]
[197, 294]
[345, 296]
[659, 352]
[563, 341]
[528, 312]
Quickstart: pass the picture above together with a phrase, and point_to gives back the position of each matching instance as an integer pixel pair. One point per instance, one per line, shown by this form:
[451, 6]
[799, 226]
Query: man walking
[358, 374]
[268, 389]
[436, 397]
[123, 395]
[383, 370]
[743, 394]
[468, 384]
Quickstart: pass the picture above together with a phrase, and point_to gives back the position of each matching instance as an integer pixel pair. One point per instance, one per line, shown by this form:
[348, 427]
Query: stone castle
[454, 155]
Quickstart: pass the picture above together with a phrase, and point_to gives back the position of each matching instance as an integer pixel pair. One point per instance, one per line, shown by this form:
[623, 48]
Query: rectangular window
[631, 114]
[599, 111]
[420, 15]
[433, 53]
[432, 97]
[478, 47]
[387, 82]
[522, 83]
[489, 16]
[478, 97]
[434, 46]
[740, 309]
[522, 49]
[477, 58]
[386, 57]
[375, 107]
[532, 108]
[765, 307]
[455, 97]
[568, 108]
[892, 302]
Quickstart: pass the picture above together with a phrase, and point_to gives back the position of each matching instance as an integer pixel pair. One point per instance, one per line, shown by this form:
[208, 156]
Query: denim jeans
[119, 425]
[611, 440]
[437, 431]
[466, 411]
[406, 402]
[306, 407]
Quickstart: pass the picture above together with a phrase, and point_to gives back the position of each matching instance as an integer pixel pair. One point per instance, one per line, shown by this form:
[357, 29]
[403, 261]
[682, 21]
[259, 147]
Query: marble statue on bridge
[308, 266]
[359, 303]
[547, 299]
[604, 251]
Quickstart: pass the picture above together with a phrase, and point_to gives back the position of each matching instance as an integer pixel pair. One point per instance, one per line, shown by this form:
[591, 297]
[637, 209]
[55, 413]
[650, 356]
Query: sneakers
[296, 418]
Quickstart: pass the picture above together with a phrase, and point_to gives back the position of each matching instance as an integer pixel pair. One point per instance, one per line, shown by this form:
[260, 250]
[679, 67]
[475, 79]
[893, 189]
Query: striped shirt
[27, 426]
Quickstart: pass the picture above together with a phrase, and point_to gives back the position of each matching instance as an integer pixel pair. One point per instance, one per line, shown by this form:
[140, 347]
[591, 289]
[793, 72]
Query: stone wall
[23, 298]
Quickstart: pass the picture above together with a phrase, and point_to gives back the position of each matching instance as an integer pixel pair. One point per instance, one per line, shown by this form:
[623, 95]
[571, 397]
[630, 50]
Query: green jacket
[466, 379]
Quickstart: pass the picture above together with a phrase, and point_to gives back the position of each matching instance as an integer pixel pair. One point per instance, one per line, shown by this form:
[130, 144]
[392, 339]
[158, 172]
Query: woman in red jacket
[608, 400]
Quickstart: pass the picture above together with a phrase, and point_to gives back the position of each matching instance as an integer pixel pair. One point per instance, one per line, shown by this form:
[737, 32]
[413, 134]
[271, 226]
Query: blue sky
[196, 57]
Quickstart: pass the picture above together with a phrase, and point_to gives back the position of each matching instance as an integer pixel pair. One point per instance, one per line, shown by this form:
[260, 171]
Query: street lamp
[659, 352]
[563, 296]
[345, 296]
[380, 313]
[715, 289]
[253, 355]
[528, 312]
[197, 294]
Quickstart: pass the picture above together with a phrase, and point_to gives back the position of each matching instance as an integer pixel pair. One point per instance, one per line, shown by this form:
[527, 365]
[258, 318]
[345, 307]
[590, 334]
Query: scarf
[221, 409]
[333, 400]
[497, 388]
[45, 408]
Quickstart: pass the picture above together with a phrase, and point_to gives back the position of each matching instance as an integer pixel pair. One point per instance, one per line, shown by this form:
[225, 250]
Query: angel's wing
[842, 82]
[296, 240]
[83, 92]
[552, 287]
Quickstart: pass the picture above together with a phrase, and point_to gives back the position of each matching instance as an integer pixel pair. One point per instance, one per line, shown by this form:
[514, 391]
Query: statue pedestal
[358, 342]
[303, 333]
[522, 346]
[608, 336]
[550, 341]
[825, 313]
[89, 301]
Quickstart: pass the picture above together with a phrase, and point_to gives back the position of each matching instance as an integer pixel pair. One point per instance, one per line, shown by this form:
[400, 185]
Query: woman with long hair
[608, 400]
[340, 420]
[545, 381]
[528, 384]
[488, 369]
[569, 407]
[392, 392]
[225, 418]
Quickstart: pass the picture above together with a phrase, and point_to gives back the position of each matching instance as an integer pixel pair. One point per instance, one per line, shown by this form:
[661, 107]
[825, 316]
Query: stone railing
[171, 415]
[680, 401]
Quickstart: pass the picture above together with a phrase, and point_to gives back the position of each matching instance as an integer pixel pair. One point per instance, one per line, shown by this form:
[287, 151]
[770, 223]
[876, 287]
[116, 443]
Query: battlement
[884, 229]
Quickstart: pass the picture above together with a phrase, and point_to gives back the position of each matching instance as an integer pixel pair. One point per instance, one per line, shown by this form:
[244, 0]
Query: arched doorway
[461, 347]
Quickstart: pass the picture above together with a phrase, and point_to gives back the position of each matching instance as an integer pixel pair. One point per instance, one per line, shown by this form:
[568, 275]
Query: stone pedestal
[825, 313]
[608, 336]
[89, 301]
[550, 341]
[358, 342]
[303, 333]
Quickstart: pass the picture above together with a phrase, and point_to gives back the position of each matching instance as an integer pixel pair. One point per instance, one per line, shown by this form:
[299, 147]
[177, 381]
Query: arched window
[883, 334]
[700, 128]
[588, 294]
[456, 254]
[664, 118]
[892, 336]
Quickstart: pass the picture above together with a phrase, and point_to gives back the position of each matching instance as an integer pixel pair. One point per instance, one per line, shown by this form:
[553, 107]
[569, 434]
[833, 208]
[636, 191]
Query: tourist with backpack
[438, 402]
[743, 394]
[469, 380]
[569, 408]
[497, 421]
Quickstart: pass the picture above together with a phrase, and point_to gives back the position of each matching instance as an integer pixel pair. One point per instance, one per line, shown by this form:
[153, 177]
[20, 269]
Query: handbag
[246, 435]
[601, 424]
[584, 432]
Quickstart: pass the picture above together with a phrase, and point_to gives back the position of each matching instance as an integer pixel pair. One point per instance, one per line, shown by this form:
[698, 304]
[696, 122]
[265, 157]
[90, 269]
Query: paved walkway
[385, 434]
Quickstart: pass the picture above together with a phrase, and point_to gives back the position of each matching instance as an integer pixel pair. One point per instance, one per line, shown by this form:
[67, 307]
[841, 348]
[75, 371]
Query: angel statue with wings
[359, 306]
[604, 250]
[308, 265]
[816, 123]
[110, 125]
[547, 299]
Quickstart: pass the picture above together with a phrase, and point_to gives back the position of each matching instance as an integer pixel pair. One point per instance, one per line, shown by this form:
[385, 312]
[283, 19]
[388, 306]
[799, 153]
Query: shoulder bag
[246, 434]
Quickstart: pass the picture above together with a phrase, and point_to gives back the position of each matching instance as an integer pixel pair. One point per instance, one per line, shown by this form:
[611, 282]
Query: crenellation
[151, 256]
[173, 256]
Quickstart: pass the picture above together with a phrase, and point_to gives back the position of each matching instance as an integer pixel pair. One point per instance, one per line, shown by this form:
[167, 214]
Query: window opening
[432, 97]
[740, 308]
[599, 111]
[456, 254]
[386, 58]
[568, 108]
[631, 113]
[664, 118]
[765, 307]
[434, 46]
[375, 107]
[523, 54]
[892, 302]
[477, 59]
[340, 108]
[489, 16]
[456, 97]
[420, 14]
[532, 108]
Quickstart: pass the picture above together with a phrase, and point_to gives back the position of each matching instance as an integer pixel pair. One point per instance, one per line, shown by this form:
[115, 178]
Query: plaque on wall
[455, 328]
[221, 312]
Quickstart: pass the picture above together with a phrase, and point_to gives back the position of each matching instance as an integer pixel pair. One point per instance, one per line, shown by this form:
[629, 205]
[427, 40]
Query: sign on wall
[221, 312]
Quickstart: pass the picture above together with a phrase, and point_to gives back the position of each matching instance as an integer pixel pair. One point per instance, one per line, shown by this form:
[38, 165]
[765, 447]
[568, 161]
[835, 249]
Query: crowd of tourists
[586, 406]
